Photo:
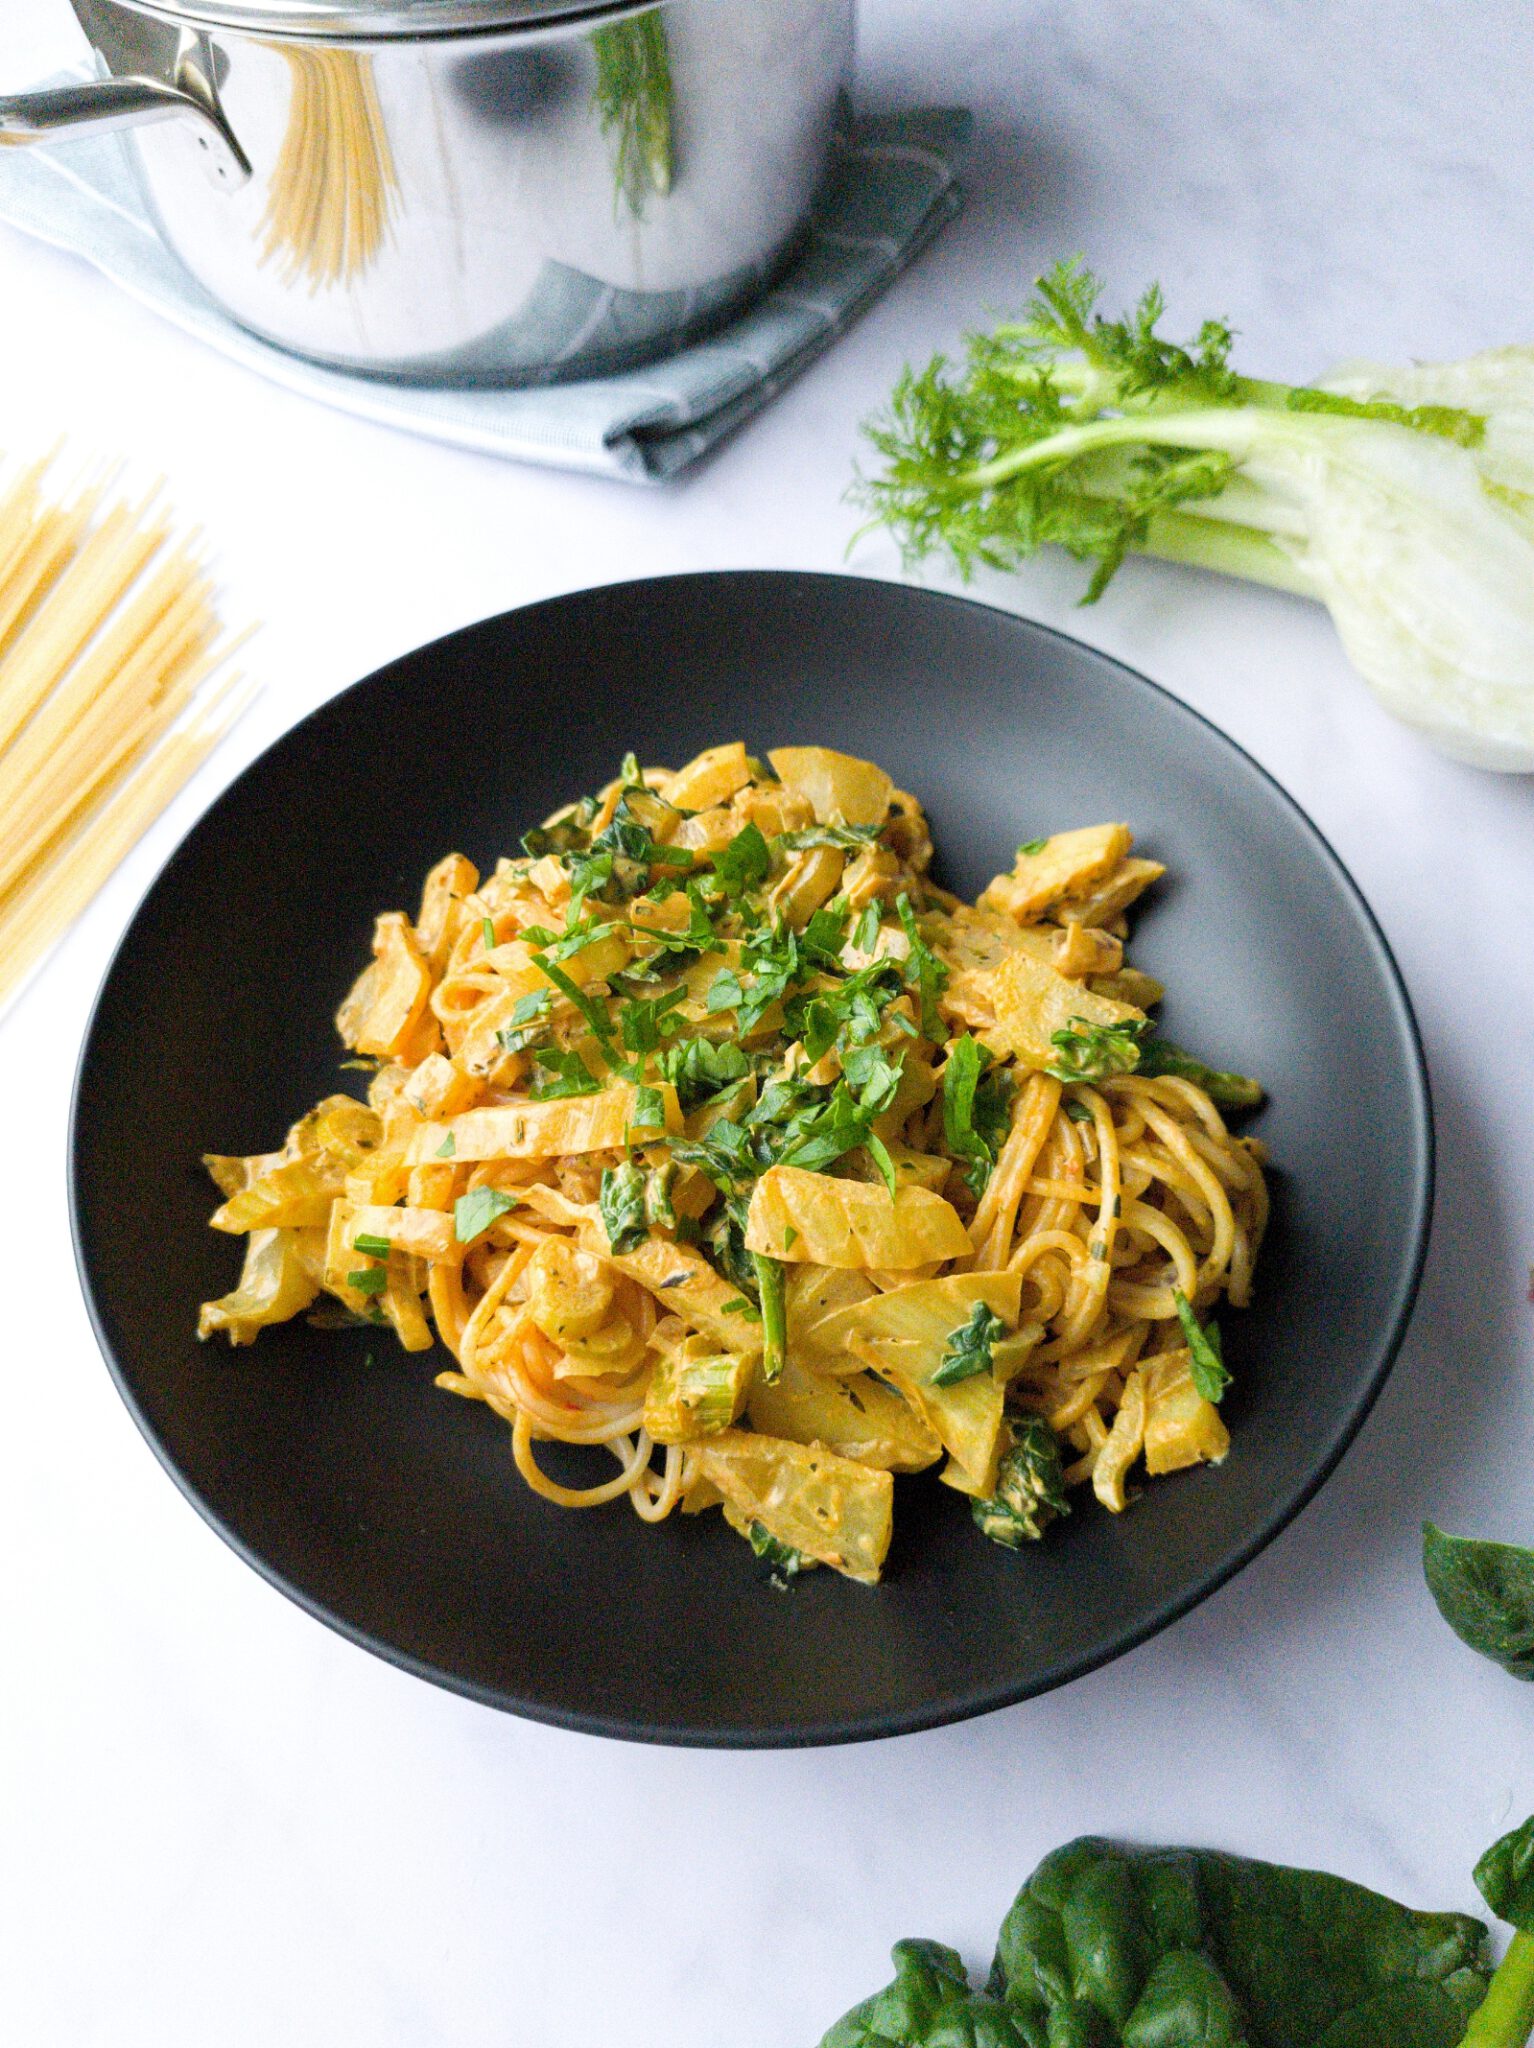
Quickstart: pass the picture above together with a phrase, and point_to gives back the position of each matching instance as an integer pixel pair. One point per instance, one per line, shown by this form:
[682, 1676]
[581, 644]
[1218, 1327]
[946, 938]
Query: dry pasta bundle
[113, 688]
[713, 1133]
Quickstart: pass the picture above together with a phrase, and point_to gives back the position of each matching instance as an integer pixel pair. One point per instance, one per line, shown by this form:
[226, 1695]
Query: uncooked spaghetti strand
[130, 662]
[85, 596]
[37, 540]
[43, 786]
[134, 684]
[56, 897]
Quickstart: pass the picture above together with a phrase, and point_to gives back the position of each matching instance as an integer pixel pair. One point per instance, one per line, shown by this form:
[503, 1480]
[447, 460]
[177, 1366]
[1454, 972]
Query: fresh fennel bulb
[1402, 499]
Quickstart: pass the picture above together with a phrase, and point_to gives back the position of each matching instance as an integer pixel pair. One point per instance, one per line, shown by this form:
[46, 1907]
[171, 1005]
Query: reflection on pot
[633, 100]
[567, 196]
[333, 186]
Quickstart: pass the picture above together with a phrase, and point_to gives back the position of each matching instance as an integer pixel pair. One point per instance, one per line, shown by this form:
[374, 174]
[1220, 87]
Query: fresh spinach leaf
[1504, 1877]
[1146, 1948]
[931, 2004]
[1485, 1592]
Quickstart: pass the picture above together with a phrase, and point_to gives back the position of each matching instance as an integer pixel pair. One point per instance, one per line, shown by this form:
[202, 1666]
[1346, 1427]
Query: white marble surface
[222, 1823]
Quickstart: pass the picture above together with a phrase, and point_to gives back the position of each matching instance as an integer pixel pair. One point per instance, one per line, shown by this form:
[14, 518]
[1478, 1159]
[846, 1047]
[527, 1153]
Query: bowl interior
[393, 1511]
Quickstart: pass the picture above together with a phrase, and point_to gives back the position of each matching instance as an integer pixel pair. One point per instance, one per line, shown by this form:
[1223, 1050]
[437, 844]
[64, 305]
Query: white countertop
[222, 1823]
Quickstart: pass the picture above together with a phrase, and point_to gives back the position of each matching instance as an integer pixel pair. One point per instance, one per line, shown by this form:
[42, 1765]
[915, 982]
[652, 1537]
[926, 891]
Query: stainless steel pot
[468, 191]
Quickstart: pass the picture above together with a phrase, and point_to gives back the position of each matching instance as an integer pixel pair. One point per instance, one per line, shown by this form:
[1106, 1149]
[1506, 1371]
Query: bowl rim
[985, 1699]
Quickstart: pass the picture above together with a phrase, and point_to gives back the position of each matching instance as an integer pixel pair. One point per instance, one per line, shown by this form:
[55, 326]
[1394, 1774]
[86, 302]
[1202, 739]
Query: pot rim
[373, 21]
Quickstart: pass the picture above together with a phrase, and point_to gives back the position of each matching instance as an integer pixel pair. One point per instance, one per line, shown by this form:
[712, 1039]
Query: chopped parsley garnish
[1030, 847]
[622, 1205]
[590, 873]
[1211, 1375]
[375, 1247]
[473, 1214]
[590, 1008]
[865, 933]
[698, 1069]
[644, 1026]
[744, 862]
[924, 971]
[526, 1022]
[968, 1350]
[1078, 1111]
[846, 838]
[448, 1147]
[487, 929]
[578, 934]
[825, 935]
[725, 992]
[569, 1074]
[724, 1153]
[371, 1280]
[627, 852]
[848, 1015]
[563, 836]
[976, 1110]
[816, 1132]
[699, 937]
[649, 1110]
[1095, 1052]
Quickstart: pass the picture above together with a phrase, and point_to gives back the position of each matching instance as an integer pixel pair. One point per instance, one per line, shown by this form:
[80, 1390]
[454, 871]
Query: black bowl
[394, 1512]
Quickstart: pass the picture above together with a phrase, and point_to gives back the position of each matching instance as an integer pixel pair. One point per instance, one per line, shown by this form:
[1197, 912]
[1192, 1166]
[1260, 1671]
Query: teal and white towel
[893, 185]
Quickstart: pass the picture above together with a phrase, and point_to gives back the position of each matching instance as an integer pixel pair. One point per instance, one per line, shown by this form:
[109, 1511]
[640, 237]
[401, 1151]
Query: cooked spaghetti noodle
[712, 1134]
[112, 691]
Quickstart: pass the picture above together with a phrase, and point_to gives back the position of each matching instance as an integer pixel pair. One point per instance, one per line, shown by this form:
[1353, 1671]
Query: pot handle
[104, 103]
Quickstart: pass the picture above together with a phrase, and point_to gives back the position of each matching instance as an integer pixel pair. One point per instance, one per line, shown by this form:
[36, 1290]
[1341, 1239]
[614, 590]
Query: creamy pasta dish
[711, 1135]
